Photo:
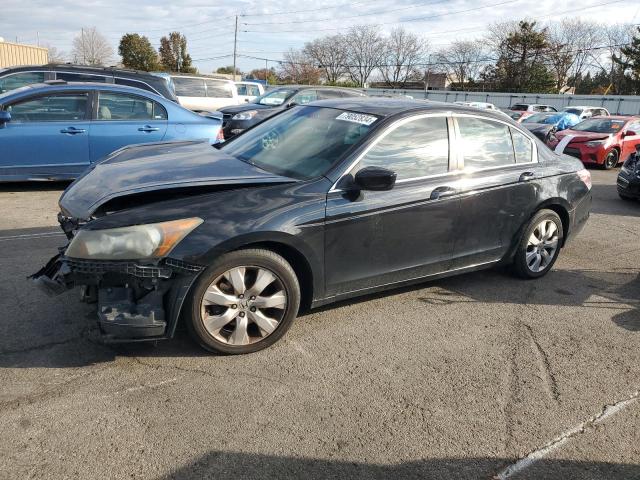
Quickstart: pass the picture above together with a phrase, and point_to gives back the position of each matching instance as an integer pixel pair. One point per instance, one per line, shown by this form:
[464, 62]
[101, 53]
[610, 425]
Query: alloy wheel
[611, 160]
[244, 305]
[542, 246]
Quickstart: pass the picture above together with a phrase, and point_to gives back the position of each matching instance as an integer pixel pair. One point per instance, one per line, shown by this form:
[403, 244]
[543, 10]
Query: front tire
[244, 302]
[611, 160]
[539, 245]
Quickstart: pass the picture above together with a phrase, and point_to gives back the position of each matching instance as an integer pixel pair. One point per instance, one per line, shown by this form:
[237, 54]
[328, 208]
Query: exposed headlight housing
[137, 242]
[248, 115]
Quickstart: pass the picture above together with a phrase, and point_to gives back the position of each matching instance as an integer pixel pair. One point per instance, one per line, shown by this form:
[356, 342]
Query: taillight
[585, 176]
[220, 136]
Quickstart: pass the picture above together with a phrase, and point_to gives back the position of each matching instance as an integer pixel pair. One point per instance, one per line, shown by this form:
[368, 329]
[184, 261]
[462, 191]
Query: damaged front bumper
[135, 301]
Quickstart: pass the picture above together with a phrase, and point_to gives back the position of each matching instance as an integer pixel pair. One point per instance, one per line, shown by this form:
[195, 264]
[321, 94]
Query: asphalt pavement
[477, 376]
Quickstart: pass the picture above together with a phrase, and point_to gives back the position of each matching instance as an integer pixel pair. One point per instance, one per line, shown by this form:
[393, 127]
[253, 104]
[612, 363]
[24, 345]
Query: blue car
[55, 131]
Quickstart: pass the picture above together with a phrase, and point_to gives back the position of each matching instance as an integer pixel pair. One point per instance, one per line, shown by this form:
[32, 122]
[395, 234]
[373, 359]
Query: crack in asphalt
[528, 460]
[544, 364]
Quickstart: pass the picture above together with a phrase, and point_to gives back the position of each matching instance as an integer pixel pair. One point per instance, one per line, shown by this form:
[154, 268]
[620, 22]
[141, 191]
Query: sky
[268, 28]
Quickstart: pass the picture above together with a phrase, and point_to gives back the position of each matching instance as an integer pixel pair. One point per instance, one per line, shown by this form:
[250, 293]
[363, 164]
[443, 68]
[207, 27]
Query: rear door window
[484, 143]
[522, 146]
[119, 106]
[134, 83]
[50, 108]
[218, 89]
[189, 87]
[18, 80]
[419, 148]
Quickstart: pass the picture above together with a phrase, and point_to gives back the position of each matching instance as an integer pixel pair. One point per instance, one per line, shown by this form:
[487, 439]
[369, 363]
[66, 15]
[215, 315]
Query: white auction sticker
[357, 118]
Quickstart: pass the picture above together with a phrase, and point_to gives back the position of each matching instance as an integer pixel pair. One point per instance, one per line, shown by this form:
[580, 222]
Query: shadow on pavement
[81, 346]
[607, 202]
[246, 466]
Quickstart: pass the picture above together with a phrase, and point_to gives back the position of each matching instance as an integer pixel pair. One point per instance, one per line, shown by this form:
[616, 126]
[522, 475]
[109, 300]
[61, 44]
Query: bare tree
[365, 48]
[403, 53]
[615, 36]
[54, 55]
[462, 60]
[330, 54]
[91, 48]
[296, 67]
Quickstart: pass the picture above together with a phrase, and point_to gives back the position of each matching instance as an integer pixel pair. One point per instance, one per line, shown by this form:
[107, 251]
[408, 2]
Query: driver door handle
[148, 128]
[72, 130]
[442, 192]
[526, 176]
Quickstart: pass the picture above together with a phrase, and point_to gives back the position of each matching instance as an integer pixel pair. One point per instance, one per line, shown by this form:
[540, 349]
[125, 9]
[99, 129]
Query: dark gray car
[319, 203]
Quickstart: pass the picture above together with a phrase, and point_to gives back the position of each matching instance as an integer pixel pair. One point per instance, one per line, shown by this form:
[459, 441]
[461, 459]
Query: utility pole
[426, 78]
[235, 48]
[266, 72]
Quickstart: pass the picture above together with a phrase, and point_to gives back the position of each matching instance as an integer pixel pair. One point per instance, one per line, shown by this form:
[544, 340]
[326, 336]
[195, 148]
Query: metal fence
[620, 104]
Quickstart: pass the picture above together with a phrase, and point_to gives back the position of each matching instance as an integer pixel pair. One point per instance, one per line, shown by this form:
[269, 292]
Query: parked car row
[197, 93]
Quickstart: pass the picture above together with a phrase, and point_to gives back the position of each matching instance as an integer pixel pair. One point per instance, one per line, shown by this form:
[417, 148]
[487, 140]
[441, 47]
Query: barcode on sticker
[357, 118]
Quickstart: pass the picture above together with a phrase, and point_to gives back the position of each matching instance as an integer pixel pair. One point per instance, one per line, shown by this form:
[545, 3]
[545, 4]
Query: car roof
[582, 106]
[200, 77]
[613, 117]
[386, 107]
[57, 86]
[79, 68]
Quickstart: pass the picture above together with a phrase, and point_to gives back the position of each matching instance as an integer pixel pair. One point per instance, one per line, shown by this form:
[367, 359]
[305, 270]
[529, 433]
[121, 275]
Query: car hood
[158, 167]
[246, 107]
[579, 136]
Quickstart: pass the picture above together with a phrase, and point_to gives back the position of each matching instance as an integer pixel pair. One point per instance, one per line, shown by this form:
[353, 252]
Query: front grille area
[99, 267]
[183, 266]
[574, 152]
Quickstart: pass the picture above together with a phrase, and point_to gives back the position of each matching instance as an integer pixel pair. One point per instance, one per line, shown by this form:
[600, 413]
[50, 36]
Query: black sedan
[629, 177]
[320, 203]
[238, 118]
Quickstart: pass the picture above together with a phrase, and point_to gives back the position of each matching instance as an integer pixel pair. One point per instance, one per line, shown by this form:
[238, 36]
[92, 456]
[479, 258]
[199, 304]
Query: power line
[378, 12]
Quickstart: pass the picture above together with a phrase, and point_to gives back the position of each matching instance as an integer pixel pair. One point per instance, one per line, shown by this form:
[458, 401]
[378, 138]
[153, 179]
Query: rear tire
[539, 245]
[244, 302]
[611, 160]
[625, 197]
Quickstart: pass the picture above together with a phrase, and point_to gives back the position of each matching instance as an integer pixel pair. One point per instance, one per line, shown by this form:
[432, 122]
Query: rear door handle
[526, 176]
[148, 128]
[72, 130]
[442, 192]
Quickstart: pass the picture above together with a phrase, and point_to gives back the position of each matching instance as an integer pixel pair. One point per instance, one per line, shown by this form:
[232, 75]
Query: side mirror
[4, 117]
[291, 104]
[375, 178]
[246, 100]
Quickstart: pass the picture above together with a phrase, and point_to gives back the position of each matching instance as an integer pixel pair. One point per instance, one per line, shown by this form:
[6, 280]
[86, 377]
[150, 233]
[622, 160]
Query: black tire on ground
[520, 266]
[262, 258]
[625, 197]
[611, 160]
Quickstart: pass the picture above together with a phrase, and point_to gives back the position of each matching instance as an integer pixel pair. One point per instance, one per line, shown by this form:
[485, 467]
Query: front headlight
[595, 143]
[136, 242]
[245, 115]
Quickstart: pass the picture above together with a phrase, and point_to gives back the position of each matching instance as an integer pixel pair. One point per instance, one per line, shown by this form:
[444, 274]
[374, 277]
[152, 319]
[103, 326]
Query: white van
[203, 94]
[248, 91]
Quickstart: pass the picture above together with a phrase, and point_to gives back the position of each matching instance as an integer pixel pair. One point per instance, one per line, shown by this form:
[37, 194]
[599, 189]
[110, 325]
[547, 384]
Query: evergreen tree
[138, 53]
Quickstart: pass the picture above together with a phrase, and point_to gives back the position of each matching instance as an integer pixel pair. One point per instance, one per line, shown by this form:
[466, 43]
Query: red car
[604, 141]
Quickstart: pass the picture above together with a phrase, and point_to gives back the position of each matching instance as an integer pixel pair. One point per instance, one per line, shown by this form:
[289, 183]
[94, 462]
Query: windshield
[538, 117]
[575, 111]
[518, 107]
[600, 125]
[303, 142]
[275, 97]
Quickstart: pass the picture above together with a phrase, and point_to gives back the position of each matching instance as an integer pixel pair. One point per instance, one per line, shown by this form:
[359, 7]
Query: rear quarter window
[189, 87]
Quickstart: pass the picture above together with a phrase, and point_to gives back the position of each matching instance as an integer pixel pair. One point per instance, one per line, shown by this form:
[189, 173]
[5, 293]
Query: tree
[330, 54]
[629, 61]
[570, 42]
[54, 55]
[138, 53]
[228, 70]
[269, 75]
[403, 52]
[173, 54]
[296, 67]
[365, 49]
[521, 65]
[462, 61]
[91, 48]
